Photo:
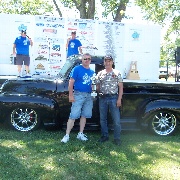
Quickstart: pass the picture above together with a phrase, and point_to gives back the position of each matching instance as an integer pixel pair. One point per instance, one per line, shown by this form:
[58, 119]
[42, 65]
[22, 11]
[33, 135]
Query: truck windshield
[68, 65]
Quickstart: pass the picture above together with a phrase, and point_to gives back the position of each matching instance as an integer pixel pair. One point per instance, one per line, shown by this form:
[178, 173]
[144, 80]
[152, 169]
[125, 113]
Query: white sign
[125, 42]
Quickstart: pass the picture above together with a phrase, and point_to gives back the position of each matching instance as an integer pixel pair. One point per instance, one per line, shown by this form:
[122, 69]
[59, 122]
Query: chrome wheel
[24, 119]
[164, 123]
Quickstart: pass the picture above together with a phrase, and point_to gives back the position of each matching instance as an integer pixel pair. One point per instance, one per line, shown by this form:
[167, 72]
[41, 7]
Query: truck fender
[157, 105]
[47, 108]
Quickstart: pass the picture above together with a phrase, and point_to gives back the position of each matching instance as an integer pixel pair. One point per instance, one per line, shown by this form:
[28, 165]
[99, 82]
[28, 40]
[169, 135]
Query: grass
[39, 155]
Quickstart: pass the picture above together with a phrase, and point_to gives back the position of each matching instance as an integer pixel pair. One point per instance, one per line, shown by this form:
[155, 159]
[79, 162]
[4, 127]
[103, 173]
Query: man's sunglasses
[89, 59]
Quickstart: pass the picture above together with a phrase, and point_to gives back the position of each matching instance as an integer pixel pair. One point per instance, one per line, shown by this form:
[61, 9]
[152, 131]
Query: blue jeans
[105, 103]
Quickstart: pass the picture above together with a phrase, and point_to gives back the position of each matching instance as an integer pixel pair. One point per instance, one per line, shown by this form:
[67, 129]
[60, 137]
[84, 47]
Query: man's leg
[74, 114]
[103, 109]
[70, 125]
[80, 135]
[19, 62]
[82, 124]
[115, 113]
[19, 67]
[86, 112]
[27, 63]
[27, 69]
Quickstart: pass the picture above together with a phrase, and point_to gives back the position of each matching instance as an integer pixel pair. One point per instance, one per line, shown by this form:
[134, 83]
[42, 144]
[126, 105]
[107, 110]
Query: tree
[57, 8]
[164, 12]
[116, 8]
[85, 7]
[33, 7]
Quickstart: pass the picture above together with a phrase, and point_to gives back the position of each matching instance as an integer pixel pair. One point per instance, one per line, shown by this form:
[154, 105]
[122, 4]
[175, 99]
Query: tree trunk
[121, 7]
[91, 9]
[57, 8]
[86, 9]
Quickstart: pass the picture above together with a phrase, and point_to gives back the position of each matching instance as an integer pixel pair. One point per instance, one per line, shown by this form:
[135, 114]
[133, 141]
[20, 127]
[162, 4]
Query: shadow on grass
[11, 167]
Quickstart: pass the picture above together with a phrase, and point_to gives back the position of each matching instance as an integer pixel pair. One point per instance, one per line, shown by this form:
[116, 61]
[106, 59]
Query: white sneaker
[82, 136]
[19, 75]
[65, 139]
[28, 75]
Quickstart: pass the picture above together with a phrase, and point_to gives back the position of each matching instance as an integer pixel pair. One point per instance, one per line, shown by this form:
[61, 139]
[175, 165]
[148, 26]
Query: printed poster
[49, 47]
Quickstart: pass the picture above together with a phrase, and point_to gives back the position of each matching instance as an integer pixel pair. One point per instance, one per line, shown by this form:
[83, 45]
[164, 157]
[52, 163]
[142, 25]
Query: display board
[125, 42]
[49, 45]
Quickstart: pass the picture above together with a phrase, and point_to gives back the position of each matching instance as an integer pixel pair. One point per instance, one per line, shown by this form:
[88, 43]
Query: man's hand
[80, 50]
[31, 42]
[118, 103]
[71, 98]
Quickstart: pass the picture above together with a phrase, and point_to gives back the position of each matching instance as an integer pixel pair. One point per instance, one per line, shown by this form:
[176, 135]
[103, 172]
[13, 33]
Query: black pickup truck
[28, 103]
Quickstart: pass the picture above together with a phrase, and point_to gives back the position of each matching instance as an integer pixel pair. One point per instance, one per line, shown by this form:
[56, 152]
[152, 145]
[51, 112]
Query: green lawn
[39, 155]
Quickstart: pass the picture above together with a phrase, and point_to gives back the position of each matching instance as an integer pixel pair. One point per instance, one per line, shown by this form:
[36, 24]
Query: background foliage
[167, 14]
[33, 7]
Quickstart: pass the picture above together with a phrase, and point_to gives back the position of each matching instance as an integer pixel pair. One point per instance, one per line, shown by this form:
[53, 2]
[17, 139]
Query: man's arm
[80, 50]
[120, 93]
[70, 88]
[67, 43]
[14, 49]
[31, 42]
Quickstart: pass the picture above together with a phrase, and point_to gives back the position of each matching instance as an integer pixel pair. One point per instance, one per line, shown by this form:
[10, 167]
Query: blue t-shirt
[22, 45]
[73, 46]
[82, 77]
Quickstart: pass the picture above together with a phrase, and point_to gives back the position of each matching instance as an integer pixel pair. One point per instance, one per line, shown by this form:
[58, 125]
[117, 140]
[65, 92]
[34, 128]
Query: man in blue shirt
[80, 95]
[73, 45]
[21, 51]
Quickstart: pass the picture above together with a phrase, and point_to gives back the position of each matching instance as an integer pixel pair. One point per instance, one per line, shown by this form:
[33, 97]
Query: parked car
[28, 103]
[163, 73]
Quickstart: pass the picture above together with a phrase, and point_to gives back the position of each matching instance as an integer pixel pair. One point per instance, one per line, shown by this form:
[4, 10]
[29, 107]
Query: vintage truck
[28, 103]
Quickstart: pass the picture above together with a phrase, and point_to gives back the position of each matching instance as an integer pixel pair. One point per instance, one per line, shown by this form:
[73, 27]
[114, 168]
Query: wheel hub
[24, 119]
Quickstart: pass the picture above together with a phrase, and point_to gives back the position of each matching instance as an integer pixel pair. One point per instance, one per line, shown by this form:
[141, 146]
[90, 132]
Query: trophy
[93, 93]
